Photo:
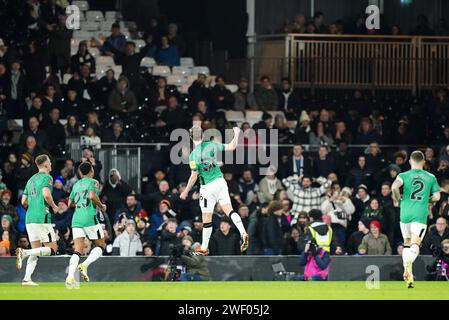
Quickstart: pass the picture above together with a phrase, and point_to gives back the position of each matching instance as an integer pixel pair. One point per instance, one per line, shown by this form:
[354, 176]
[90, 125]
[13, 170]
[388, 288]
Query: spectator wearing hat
[244, 99]
[197, 229]
[116, 42]
[360, 200]
[142, 226]
[266, 96]
[63, 218]
[169, 236]
[355, 239]
[7, 225]
[122, 100]
[23, 170]
[131, 208]
[376, 242]
[58, 189]
[158, 217]
[224, 242]
[115, 192]
[269, 185]
[128, 243]
[196, 267]
[6, 207]
[83, 56]
[303, 129]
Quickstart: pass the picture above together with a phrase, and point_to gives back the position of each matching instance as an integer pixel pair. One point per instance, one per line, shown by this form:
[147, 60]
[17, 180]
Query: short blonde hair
[40, 160]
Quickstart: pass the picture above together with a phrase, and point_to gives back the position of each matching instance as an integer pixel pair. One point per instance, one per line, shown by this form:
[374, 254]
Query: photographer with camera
[195, 265]
[438, 271]
[316, 262]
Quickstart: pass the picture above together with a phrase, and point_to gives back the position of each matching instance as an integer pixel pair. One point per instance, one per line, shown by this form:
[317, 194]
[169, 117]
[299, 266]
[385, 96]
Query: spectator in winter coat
[114, 192]
[128, 243]
[340, 208]
[224, 242]
[116, 42]
[436, 234]
[63, 218]
[6, 207]
[376, 242]
[244, 99]
[199, 91]
[130, 209]
[169, 236]
[248, 187]
[276, 225]
[256, 227]
[83, 56]
[292, 242]
[356, 237]
[167, 54]
[222, 98]
[359, 175]
[266, 95]
[269, 185]
[122, 100]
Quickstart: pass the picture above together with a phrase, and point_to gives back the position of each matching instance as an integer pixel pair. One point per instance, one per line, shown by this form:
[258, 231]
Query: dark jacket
[352, 246]
[228, 99]
[273, 235]
[113, 197]
[433, 238]
[79, 59]
[166, 239]
[288, 169]
[224, 245]
[119, 101]
[130, 214]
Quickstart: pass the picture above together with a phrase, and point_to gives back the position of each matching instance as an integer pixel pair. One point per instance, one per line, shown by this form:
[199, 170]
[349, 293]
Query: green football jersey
[418, 187]
[204, 160]
[38, 210]
[85, 214]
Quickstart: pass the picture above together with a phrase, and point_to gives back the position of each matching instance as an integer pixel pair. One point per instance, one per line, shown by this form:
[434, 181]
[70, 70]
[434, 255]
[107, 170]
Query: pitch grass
[225, 291]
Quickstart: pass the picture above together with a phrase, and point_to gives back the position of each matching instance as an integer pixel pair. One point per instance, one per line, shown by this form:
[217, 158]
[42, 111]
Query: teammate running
[37, 197]
[419, 188]
[204, 165]
[84, 198]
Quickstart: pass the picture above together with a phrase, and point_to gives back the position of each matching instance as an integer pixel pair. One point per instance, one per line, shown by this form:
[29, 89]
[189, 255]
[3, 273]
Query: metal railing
[351, 61]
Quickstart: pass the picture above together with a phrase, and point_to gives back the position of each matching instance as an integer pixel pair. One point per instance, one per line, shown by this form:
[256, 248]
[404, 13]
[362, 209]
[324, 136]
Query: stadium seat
[66, 78]
[73, 49]
[139, 44]
[187, 62]
[82, 16]
[203, 69]
[117, 71]
[82, 35]
[111, 15]
[106, 26]
[95, 52]
[148, 62]
[105, 60]
[253, 116]
[90, 26]
[232, 87]
[82, 5]
[276, 113]
[161, 71]
[183, 70]
[127, 35]
[94, 15]
[235, 116]
[175, 80]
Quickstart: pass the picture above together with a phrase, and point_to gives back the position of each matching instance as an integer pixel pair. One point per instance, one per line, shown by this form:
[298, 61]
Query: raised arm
[190, 184]
[233, 144]
[395, 190]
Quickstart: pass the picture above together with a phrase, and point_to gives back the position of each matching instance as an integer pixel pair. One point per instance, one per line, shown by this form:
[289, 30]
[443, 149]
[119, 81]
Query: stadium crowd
[335, 171]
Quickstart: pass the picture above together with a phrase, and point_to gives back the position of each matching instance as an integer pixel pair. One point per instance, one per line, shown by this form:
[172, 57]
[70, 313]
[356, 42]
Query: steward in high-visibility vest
[320, 231]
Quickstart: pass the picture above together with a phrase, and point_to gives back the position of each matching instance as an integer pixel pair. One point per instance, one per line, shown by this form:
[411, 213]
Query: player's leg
[207, 205]
[418, 231]
[96, 234]
[225, 202]
[31, 264]
[78, 239]
[37, 234]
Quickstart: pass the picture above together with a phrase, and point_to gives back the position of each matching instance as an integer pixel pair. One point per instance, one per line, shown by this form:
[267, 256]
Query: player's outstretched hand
[236, 130]
[395, 203]
[183, 195]
[55, 209]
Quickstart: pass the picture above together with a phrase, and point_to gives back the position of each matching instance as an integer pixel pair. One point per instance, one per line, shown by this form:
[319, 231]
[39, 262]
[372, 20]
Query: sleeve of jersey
[95, 186]
[72, 195]
[435, 186]
[49, 183]
[192, 163]
[25, 192]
